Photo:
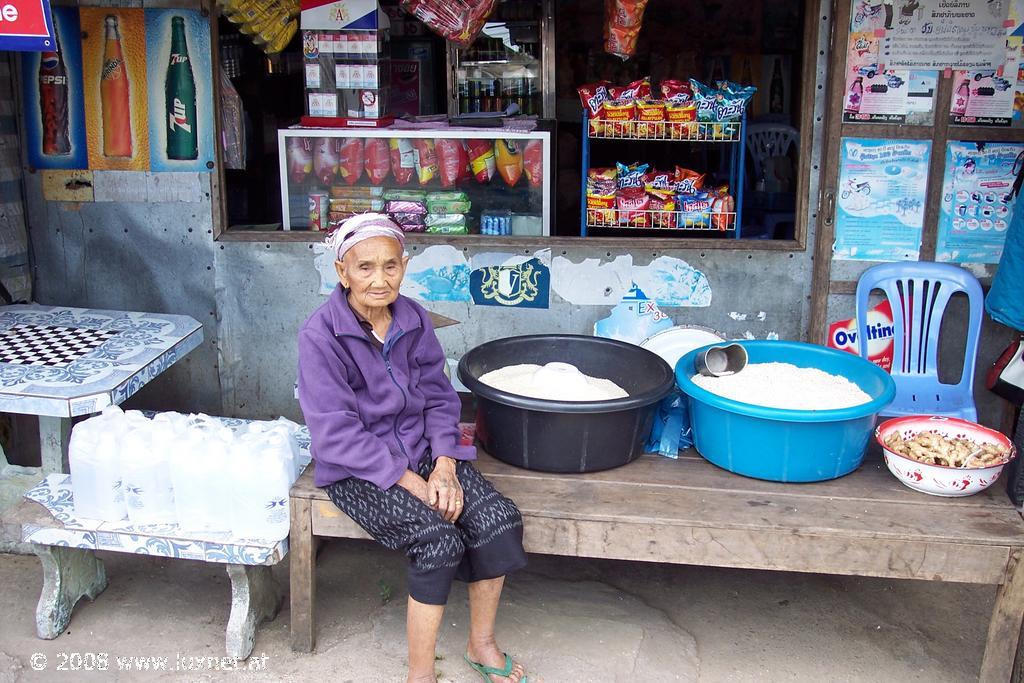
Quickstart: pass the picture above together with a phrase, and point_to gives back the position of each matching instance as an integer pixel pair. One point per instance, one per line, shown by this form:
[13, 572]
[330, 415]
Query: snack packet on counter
[650, 115]
[403, 160]
[618, 118]
[533, 162]
[663, 208]
[350, 160]
[719, 106]
[448, 202]
[681, 119]
[377, 160]
[623, 19]
[405, 195]
[508, 157]
[601, 189]
[410, 222]
[447, 223]
[481, 160]
[363, 192]
[405, 206]
[694, 210]
[426, 160]
[723, 209]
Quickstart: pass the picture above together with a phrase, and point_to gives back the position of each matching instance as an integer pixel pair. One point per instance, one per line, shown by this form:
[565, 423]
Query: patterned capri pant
[485, 542]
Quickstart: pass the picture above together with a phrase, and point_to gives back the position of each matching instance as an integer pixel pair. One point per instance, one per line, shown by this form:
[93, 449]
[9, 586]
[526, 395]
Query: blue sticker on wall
[52, 96]
[517, 283]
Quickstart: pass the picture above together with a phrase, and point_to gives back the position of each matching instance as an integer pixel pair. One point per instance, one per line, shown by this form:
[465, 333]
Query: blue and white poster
[181, 127]
[880, 202]
[976, 206]
[52, 96]
[511, 280]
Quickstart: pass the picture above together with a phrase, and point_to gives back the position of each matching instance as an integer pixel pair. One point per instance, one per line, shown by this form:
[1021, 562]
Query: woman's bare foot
[422, 678]
[489, 654]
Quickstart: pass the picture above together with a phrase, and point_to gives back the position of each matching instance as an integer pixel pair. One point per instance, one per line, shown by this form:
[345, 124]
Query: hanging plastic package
[622, 22]
[481, 159]
[378, 160]
[508, 157]
[350, 160]
[533, 162]
[403, 160]
[458, 21]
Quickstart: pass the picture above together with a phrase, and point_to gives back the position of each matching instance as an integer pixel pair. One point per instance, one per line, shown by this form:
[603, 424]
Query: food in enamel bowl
[943, 456]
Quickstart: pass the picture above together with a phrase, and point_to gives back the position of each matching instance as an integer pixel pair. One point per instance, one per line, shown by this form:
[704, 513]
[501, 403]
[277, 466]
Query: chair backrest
[918, 293]
[768, 140]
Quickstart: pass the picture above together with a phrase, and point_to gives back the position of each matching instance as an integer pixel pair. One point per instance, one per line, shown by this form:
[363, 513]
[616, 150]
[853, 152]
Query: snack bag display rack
[678, 219]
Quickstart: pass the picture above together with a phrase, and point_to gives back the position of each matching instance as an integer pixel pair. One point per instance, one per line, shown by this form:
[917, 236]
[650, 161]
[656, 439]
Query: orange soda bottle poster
[116, 93]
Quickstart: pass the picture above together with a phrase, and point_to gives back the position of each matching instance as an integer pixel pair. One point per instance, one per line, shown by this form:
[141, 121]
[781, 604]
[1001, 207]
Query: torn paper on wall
[439, 273]
[592, 282]
[511, 280]
[673, 282]
[323, 261]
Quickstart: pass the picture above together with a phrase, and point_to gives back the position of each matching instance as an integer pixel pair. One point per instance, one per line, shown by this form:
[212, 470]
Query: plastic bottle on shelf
[259, 493]
[96, 484]
[149, 492]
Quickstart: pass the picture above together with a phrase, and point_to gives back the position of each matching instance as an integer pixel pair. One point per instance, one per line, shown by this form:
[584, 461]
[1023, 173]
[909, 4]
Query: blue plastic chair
[918, 293]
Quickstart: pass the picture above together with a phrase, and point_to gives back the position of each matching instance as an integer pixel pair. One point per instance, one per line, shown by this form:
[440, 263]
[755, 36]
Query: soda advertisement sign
[842, 335]
[180, 90]
[116, 94]
[25, 25]
[54, 109]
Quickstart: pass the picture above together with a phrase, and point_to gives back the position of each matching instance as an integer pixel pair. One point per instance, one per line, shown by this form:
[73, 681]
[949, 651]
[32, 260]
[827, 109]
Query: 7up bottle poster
[180, 90]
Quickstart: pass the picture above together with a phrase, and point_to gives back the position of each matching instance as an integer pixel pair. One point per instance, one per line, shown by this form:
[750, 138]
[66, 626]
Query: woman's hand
[444, 489]
[416, 485]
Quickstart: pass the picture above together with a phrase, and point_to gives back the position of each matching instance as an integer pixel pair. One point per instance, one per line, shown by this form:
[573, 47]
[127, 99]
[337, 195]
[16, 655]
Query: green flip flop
[486, 671]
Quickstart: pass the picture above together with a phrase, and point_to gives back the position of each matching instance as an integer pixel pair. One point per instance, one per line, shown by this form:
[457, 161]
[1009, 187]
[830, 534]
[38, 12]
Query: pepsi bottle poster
[52, 96]
[181, 126]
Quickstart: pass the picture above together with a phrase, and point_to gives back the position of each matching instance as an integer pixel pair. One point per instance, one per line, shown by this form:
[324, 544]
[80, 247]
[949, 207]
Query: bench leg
[302, 572]
[255, 597]
[1004, 628]
[68, 575]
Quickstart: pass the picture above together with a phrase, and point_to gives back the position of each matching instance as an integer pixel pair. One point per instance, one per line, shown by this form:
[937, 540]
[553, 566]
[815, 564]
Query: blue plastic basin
[787, 445]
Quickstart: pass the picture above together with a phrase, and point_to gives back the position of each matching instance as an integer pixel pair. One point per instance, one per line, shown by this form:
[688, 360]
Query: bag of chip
[719, 106]
[659, 180]
[633, 206]
[325, 159]
[663, 208]
[622, 22]
[403, 160]
[533, 162]
[723, 209]
[637, 90]
[481, 159]
[631, 176]
[676, 91]
[426, 159]
[508, 155]
[378, 160]
[601, 188]
[619, 117]
[459, 21]
[350, 160]
[685, 181]
[650, 115]
[592, 96]
[452, 160]
[694, 210]
[681, 117]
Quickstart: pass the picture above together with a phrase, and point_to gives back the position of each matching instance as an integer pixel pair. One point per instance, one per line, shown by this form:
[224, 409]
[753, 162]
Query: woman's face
[372, 272]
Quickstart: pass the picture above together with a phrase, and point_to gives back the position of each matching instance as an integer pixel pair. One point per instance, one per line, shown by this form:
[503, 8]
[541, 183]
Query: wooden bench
[688, 511]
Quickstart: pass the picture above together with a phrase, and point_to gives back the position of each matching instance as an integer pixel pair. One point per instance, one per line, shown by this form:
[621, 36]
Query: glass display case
[510, 62]
[443, 181]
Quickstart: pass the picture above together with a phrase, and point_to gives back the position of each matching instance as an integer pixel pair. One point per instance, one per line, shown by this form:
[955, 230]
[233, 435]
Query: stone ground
[567, 619]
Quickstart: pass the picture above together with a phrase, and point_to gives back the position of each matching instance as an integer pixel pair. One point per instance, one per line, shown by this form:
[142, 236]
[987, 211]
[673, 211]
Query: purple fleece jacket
[373, 415]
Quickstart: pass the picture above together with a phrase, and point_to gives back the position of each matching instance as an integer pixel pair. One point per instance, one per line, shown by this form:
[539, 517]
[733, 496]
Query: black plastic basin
[567, 436]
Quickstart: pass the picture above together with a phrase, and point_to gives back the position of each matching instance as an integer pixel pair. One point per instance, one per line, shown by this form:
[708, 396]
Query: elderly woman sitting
[384, 424]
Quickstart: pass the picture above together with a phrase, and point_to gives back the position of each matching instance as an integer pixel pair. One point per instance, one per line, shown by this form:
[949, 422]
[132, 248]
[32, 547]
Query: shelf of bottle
[645, 219]
[664, 131]
[528, 62]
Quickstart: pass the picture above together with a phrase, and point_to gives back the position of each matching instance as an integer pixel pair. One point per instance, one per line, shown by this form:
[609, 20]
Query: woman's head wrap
[361, 227]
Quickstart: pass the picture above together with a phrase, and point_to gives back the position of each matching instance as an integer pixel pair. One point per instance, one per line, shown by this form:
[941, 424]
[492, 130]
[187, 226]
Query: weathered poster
[114, 74]
[940, 34]
[180, 90]
[976, 207]
[874, 92]
[511, 280]
[880, 207]
[52, 97]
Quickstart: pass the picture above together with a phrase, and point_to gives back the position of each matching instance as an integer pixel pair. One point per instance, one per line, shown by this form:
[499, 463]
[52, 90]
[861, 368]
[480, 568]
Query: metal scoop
[721, 360]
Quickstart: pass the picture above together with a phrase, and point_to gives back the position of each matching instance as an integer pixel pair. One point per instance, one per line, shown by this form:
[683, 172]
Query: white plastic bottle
[199, 471]
[259, 492]
[149, 492]
[95, 469]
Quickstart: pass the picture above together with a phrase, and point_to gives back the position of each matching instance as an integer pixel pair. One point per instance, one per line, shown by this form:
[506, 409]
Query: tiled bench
[66, 547]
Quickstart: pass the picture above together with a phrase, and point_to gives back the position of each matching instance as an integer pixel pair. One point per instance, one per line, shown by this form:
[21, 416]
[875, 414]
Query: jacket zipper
[405, 399]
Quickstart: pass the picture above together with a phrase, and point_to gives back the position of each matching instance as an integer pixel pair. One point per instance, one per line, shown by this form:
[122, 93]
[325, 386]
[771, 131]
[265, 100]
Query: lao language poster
[880, 207]
[976, 206]
[873, 92]
[181, 131]
[54, 109]
[116, 95]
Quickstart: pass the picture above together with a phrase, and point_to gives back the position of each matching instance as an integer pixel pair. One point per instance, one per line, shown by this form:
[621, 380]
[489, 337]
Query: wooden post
[1004, 628]
[302, 571]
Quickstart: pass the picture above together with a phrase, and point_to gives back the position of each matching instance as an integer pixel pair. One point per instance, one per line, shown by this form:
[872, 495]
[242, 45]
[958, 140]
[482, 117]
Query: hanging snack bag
[403, 160]
[300, 158]
[508, 156]
[601, 188]
[459, 21]
[481, 159]
[377, 160]
[426, 160]
[350, 160]
[533, 162]
[650, 115]
[694, 210]
[723, 209]
[325, 159]
[452, 160]
[622, 22]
